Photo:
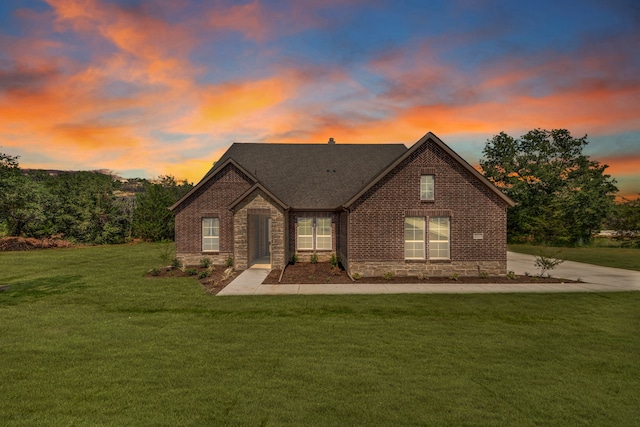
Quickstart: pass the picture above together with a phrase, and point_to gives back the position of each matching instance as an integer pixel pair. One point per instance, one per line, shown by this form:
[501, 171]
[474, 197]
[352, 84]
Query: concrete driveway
[593, 279]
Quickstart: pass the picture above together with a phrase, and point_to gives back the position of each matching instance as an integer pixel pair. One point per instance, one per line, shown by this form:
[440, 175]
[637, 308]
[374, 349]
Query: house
[378, 207]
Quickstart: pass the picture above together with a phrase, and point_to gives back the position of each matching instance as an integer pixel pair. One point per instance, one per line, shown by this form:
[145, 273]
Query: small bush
[388, 275]
[454, 276]
[421, 276]
[155, 271]
[356, 276]
[228, 273]
[314, 258]
[547, 262]
[294, 259]
[191, 271]
[334, 261]
[228, 262]
[484, 275]
[511, 275]
[205, 262]
[175, 263]
[203, 274]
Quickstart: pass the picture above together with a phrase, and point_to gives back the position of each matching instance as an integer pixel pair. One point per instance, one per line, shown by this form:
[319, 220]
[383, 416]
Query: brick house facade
[378, 207]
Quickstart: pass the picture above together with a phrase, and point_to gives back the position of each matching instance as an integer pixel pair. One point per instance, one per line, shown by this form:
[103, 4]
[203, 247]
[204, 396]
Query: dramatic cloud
[163, 87]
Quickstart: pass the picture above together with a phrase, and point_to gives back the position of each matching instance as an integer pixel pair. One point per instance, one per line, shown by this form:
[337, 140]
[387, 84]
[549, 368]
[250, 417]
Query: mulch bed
[27, 244]
[321, 273]
[213, 283]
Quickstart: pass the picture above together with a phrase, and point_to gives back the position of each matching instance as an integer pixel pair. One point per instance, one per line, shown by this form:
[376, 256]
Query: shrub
[314, 258]
[205, 262]
[454, 276]
[511, 275]
[228, 262]
[356, 276]
[334, 261]
[484, 275]
[167, 253]
[203, 274]
[546, 263]
[155, 271]
[388, 275]
[294, 259]
[227, 273]
[191, 271]
[175, 263]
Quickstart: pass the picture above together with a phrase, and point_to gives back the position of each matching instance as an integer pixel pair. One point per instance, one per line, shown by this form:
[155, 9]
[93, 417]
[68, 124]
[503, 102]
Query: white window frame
[440, 238]
[427, 187]
[415, 241]
[314, 241]
[323, 241]
[304, 237]
[210, 234]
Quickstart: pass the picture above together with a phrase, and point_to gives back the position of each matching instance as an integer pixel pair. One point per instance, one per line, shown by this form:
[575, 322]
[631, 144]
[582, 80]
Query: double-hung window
[427, 186]
[314, 233]
[305, 233]
[210, 234]
[439, 238]
[323, 234]
[414, 234]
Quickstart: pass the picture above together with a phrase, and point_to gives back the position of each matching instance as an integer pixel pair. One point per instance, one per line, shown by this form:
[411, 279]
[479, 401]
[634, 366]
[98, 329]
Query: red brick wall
[376, 221]
[211, 199]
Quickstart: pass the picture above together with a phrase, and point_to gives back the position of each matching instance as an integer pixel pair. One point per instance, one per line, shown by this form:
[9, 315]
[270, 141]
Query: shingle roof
[312, 176]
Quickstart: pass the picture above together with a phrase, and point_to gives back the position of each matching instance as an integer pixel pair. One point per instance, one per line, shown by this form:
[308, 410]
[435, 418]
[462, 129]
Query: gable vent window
[210, 234]
[427, 185]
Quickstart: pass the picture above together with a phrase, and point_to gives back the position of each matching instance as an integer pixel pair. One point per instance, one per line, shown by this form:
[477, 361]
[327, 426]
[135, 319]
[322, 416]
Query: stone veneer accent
[440, 269]
[258, 200]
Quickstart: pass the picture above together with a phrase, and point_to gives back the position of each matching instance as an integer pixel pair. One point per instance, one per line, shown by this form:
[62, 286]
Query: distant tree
[21, 199]
[562, 195]
[625, 219]
[152, 219]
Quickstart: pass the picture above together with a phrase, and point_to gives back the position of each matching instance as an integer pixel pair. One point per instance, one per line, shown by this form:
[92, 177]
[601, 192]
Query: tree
[562, 195]
[20, 198]
[152, 218]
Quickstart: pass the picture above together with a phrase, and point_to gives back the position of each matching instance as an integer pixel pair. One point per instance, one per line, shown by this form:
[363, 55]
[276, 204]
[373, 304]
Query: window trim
[424, 183]
[437, 242]
[314, 234]
[213, 239]
[423, 241]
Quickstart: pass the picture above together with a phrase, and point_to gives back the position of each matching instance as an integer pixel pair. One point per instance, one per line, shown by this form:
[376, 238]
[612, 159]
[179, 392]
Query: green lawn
[627, 258]
[85, 339]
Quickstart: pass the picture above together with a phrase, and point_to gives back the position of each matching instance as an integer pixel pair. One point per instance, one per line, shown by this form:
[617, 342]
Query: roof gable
[437, 141]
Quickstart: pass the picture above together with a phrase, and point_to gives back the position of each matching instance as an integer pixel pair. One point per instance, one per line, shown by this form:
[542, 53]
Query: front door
[259, 239]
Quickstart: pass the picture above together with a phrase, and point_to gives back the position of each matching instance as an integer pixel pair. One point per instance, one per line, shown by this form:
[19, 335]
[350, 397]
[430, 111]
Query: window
[323, 233]
[427, 187]
[414, 237]
[210, 234]
[439, 238]
[314, 234]
[305, 233]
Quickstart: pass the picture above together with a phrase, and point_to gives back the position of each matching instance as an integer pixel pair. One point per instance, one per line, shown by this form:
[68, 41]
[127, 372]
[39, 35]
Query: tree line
[85, 207]
[562, 197]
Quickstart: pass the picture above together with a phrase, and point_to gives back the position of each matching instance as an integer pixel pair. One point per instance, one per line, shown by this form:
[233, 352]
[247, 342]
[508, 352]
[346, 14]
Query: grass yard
[85, 339]
[628, 258]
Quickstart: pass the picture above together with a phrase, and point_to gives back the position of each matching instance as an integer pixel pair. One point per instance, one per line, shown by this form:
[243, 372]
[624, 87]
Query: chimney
[331, 141]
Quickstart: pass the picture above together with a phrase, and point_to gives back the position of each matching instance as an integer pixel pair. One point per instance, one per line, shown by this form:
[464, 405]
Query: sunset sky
[148, 88]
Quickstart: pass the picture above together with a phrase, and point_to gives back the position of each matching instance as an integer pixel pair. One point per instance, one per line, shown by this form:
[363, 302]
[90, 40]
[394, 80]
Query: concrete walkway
[595, 279]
